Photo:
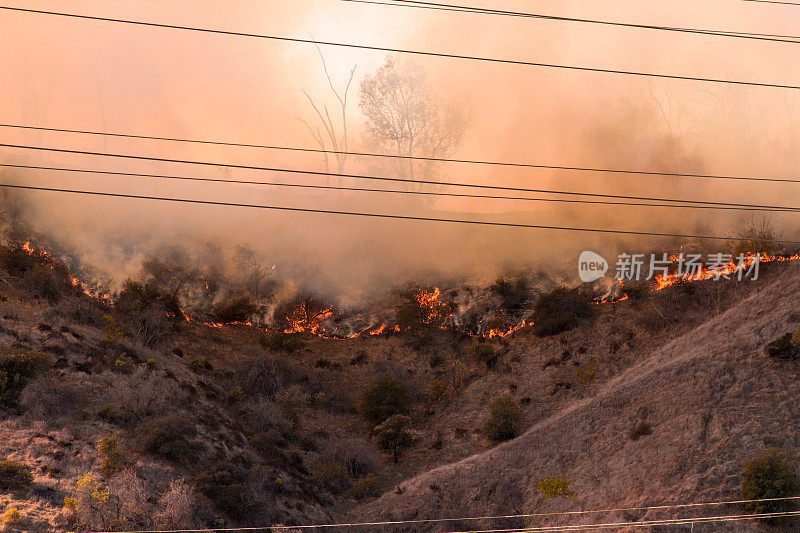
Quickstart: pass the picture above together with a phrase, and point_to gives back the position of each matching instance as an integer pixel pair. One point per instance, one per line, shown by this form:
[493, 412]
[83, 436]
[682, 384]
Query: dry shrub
[14, 475]
[561, 310]
[505, 419]
[366, 487]
[172, 437]
[514, 294]
[237, 309]
[357, 456]
[46, 397]
[327, 384]
[119, 504]
[142, 394]
[76, 309]
[244, 494]
[148, 312]
[176, 506]
[17, 369]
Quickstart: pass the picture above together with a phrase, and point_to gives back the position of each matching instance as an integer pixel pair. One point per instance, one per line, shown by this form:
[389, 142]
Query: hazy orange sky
[102, 76]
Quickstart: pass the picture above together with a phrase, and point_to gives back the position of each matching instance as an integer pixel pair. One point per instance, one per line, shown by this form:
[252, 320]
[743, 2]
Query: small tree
[394, 436]
[772, 474]
[505, 419]
[386, 397]
[109, 450]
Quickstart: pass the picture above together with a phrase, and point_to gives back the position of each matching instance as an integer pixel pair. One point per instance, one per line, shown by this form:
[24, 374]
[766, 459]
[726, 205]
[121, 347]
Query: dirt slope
[711, 395]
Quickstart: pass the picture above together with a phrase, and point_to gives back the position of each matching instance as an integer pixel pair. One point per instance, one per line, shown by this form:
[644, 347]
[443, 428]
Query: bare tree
[404, 118]
[327, 133]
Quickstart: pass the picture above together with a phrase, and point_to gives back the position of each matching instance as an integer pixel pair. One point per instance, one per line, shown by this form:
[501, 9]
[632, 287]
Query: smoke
[100, 76]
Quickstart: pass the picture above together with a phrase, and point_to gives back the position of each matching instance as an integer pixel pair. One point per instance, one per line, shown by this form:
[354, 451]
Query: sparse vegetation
[505, 419]
[560, 310]
[366, 487]
[554, 487]
[772, 474]
[172, 438]
[14, 475]
[386, 397]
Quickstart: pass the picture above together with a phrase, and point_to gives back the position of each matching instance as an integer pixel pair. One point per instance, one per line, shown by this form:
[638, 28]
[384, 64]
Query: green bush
[17, 369]
[386, 397]
[483, 352]
[554, 487]
[334, 477]
[14, 475]
[394, 436]
[236, 309]
[505, 419]
[560, 310]
[784, 347]
[772, 474]
[366, 487]
[109, 450]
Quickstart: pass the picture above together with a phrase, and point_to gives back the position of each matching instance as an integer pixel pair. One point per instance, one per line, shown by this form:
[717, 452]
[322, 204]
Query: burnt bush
[505, 419]
[16, 260]
[17, 369]
[172, 437]
[784, 347]
[560, 310]
[515, 295]
[637, 291]
[237, 309]
[772, 474]
[14, 475]
[148, 312]
[385, 397]
[420, 308]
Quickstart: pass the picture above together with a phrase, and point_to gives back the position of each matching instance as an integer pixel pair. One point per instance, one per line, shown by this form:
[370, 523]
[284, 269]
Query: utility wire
[403, 50]
[458, 8]
[408, 157]
[390, 216]
[422, 193]
[774, 2]
[488, 517]
[390, 179]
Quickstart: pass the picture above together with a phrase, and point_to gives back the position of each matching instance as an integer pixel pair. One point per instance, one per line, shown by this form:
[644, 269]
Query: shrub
[514, 294]
[554, 487]
[357, 456]
[587, 371]
[394, 436]
[148, 312]
[284, 342]
[113, 331]
[119, 503]
[772, 474]
[334, 477]
[420, 308]
[50, 284]
[437, 390]
[236, 309]
[642, 428]
[17, 369]
[560, 310]
[200, 365]
[14, 475]
[505, 419]
[483, 352]
[12, 516]
[366, 487]
[46, 397]
[637, 291]
[242, 493]
[16, 260]
[386, 397]
[109, 450]
[784, 347]
[176, 506]
[171, 437]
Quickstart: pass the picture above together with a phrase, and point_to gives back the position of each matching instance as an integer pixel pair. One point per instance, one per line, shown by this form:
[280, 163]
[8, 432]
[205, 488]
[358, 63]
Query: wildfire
[303, 320]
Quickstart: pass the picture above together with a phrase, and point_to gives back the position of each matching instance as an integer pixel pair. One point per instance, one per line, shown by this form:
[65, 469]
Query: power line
[390, 179]
[458, 8]
[408, 157]
[404, 50]
[773, 2]
[734, 207]
[494, 517]
[390, 216]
